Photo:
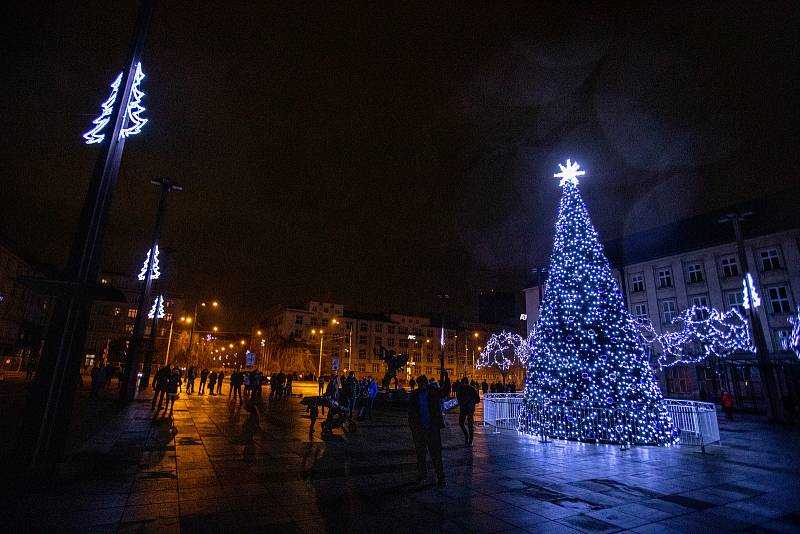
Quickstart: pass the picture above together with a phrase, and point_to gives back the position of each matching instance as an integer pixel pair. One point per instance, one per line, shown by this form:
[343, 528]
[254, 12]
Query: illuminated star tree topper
[569, 173]
[158, 304]
[156, 269]
[133, 111]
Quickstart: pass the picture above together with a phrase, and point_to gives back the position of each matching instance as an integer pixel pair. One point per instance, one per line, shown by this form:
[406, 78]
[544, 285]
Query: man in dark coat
[467, 397]
[203, 378]
[426, 421]
[161, 379]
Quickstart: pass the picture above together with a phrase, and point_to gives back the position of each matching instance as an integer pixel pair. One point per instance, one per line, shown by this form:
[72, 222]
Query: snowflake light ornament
[569, 173]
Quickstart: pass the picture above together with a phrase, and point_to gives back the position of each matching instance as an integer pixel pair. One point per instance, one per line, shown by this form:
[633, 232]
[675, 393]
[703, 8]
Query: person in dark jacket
[485, 386]
[220, 376]
[161, 379]
[172, 391]
[467, 399]
[203, 378]
[426, 421]
[212, 381]
[236, 385]
[190, 378]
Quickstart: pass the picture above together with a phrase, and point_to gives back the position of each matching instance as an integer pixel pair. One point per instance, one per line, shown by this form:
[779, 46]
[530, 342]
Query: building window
[770, 261]
[362, 340]
[168, 317]
[783, 339]
[348, 325]
[696, 274]
[132, 313]
[313, 321]
[375, 368]
[736, 301]
[298, 334]
[637, 283]
[362, 354]
[677, 379]
[668, 311]
[403, 343]
[403, 330]
[390, 342]
[390, 329]
[700, 301]
[451, 359]
[664, 277]
[378, 327]
[378, 341]
[362, 368]
[640, 311]
[429, 332]
[128, 328]
[298, 319]
[117, 311]
[363, 327]
[779, 299]
[729, 266]
[376, 356]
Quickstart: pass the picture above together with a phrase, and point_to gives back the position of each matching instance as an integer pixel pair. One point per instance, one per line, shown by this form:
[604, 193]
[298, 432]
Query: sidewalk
[200, 472]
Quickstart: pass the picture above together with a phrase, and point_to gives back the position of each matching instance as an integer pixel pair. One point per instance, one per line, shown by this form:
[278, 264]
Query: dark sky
[379, 155]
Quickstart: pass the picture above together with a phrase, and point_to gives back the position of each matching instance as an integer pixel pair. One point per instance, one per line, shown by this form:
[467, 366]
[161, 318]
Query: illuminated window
[132, 313]
[783, 339]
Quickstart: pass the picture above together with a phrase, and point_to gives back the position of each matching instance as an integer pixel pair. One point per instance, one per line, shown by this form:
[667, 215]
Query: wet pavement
[214, 467]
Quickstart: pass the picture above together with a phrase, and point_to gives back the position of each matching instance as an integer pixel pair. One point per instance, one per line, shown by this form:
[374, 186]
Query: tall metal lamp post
[129, 391]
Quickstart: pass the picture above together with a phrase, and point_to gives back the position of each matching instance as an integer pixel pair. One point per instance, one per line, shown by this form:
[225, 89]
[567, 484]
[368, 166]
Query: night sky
[377, 156]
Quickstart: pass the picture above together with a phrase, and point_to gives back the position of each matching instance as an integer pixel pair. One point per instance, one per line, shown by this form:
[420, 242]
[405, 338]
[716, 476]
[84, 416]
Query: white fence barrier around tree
[696, 421]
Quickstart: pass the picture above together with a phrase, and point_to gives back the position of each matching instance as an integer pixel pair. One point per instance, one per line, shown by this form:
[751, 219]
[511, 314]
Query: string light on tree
[156, 269]
[158, 304]
[133, 111]
[501, 351]
[589, 377]
[748, 284]
[794, 338]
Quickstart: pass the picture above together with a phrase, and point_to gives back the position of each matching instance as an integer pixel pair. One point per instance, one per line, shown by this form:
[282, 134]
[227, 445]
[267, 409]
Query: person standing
[373, 392]
[220, 376]
[321, 383]
[161, 380]
[203, 378]
[485, 387]
[467, 399]
[236, 385]
[727, 405]
[313, 413]
[426, 421]
[212, 381]
[172, 391]
[350, 392]
[191, 375]
[289, 380]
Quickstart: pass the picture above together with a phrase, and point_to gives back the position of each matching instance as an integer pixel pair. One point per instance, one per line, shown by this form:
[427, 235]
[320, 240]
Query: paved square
[214, 468]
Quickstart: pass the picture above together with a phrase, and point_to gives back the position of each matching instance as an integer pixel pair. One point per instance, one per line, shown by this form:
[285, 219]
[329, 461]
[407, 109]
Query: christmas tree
[589, 377]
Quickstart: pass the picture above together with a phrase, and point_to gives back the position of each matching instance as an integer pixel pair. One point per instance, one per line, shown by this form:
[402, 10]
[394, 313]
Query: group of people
[211, 378]
[498, 387]
[346, 395]
[280, 385]
[166, 382]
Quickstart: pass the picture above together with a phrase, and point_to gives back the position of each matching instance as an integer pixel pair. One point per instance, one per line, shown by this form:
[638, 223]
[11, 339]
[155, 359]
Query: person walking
[467, 399]
[212, 381]
[426, 421]
[220, 376]
[172, 391]
[203, 378]
[161, 380]
[313, 413]
[727, 405]
[373, 392]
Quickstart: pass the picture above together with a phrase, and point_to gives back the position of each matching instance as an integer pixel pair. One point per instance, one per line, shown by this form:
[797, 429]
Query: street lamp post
[762, 353]
[129, 391]
[321, 340]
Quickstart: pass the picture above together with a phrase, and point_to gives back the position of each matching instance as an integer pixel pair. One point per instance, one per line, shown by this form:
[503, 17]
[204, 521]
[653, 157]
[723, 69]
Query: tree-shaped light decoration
[747, 283]
[525, 348]
[702, 333]
[133, 119]
[794, 338]
[158, 304]
[156, 270]
[589, 376]
[501, 352]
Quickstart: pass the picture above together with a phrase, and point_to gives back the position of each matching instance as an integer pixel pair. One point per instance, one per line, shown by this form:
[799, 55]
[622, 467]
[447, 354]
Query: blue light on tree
[589, 377]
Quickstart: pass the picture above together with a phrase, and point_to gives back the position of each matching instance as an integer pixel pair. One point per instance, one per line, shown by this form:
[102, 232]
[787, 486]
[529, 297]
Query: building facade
[696, 263]
[322, 337]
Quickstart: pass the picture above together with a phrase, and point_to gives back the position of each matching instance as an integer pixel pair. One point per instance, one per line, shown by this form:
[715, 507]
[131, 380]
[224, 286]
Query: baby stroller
[339, 416]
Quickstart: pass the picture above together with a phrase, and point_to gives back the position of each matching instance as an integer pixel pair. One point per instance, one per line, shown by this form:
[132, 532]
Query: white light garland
[133, 119]
[703, 333]
[747, 282]
[158, 304]
[501, 351]
[794, 337]
[156, 270]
